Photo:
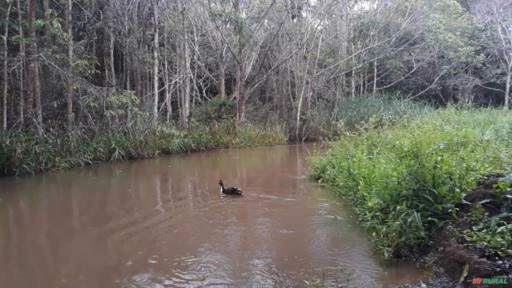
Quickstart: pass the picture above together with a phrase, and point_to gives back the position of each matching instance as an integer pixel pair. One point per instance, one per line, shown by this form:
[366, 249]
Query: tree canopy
[70, 65]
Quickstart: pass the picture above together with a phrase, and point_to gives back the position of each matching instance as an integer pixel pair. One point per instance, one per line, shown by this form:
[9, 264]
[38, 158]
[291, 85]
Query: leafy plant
[404, 179]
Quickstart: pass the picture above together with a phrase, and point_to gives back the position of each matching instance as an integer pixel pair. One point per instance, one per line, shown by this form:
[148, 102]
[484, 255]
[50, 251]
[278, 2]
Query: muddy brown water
[163, 223]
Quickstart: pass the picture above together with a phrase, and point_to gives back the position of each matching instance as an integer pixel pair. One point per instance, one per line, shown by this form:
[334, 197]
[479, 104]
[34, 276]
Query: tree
[291, 60]
[247, 22]
[21, 87]
[33, 80]
[6, 48]
[156, 45]
[68, 28]
[495, 17]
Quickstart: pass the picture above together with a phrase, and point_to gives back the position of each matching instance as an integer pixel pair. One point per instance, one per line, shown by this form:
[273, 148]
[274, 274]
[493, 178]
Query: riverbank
[25, 153]
[410, 182]
[213, 126]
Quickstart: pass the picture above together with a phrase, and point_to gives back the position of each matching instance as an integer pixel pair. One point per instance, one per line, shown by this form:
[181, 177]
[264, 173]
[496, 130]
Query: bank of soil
[467, 247]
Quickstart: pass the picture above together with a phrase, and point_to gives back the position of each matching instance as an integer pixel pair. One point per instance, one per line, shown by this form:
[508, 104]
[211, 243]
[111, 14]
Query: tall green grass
[384, 108]
[353, 113]
[405, 178]
[25, 153]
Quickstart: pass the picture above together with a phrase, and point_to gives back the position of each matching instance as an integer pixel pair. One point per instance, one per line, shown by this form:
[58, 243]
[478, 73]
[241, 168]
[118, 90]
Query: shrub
[26, 153]
[355, 113]
[405, 179]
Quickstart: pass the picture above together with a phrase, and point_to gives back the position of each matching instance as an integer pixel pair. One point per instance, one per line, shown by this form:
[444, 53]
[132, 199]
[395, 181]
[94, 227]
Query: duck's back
[233, 191]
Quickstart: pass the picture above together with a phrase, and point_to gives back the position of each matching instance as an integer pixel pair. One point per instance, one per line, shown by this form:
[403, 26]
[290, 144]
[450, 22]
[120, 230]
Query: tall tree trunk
[136, 63]
[240, 72]
[222, 73]
[507, 85]
[138, 80]
[166, 80]
[33, 69]
[6, 35]
[155, 64]
[22, 64]
[297, 119]
[193, 70]
[126, 54]
[340, 91]
[68, 27]
[361, 82]
[353, 78]
[111, 57]
[186, 94]
[108, 47]
[301, 92]
[37, 96]
[240, 90]
[313, 73]
[374, 77]
[29, 101]
[94, 30]
[353, 84]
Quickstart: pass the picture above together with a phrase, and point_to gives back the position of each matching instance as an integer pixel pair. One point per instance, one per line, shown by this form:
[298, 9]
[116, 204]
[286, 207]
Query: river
[163, 223]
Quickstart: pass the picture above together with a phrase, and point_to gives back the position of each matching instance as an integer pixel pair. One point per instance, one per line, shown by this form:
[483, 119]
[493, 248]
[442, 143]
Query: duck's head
[220, 183]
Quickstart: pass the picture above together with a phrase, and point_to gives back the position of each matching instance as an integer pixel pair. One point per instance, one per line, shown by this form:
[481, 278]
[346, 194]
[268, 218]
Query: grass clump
[355, 113]
[26, 153]
[494, 233]
[406, 178]
[384, 108]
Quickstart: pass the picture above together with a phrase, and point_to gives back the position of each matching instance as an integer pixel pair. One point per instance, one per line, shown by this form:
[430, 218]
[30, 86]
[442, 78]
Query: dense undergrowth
[26, 153]
[212, 126]
[405, 179]
[352, 113]
[387, 109]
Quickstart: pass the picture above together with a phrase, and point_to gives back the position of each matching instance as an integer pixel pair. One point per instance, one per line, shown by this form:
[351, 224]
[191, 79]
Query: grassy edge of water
[406, 181]
[25, 153]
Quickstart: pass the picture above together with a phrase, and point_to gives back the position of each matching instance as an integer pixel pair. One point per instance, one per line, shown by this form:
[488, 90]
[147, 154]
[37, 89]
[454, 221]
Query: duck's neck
[221, 188]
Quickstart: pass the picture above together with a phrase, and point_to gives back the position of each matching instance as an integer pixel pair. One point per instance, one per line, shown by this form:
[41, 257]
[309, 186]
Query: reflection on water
[163, 223]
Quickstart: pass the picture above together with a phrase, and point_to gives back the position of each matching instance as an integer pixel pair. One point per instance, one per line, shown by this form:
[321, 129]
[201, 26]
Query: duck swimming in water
[229, 190]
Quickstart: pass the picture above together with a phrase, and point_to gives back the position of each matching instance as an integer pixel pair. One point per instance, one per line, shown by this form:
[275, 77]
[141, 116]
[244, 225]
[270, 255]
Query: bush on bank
[26, 153]
[405, 179]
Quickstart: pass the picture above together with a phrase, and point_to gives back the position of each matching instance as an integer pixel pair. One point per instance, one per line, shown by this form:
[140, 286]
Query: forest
[92, 63]
[78, 69]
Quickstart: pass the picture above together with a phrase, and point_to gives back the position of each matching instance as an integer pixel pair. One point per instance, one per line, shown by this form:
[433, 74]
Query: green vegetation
[354, 113]
[405, 179]
[491, 232]
[22, 153]
[385, 109]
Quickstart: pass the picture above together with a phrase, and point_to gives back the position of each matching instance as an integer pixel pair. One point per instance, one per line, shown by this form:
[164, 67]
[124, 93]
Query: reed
[26, 153]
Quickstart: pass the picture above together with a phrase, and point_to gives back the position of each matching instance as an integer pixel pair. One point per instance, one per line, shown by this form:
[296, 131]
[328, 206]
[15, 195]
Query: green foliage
[405, 179]
[504, 184]
[215, 110]
[230, 134]
[383, 108]
[493, 233]
[122, 104]
[119, 109]
[359, 112]
[314, 284]
[25, 153]
[85, 67]
[449, 27]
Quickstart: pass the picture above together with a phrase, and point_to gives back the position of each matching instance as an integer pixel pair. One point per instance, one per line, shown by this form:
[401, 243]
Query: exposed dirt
[456, 260]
